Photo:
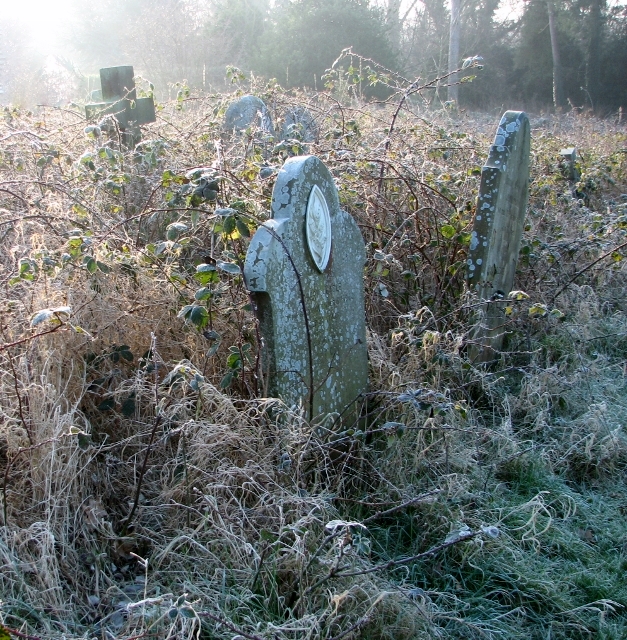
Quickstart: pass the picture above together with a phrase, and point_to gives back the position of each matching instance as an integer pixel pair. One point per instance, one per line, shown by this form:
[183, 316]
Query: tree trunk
[393, 23]
[593, 70]
[558, 85]
[453, 50]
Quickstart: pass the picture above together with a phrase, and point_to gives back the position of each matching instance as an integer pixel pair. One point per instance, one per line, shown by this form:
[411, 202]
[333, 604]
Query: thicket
[149, 489]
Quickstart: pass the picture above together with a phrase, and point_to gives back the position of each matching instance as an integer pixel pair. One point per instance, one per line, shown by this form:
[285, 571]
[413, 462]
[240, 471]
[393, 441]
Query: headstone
[304, 269]
[119, 98]
[300, 124]
[497, 230]
[248, 111]
[569, 163]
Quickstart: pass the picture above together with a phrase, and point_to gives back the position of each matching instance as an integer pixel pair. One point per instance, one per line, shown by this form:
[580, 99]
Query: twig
[582, 271]
[159, 417]
[399, 507]
[19, 634]
[6, 346]
[227, 624]
[337, 572]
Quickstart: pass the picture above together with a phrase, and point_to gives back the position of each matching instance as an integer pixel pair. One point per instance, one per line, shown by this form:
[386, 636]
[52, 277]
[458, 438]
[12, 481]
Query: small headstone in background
[300, 124]
[248, 111]
[569, 162]
[304, 269]
[497, 230]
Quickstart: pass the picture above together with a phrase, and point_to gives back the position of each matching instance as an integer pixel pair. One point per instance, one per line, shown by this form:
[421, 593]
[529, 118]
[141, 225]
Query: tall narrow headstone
[304, 269]
[497, 230]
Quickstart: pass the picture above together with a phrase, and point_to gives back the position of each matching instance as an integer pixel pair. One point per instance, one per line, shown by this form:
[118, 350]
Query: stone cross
[497, 230]
[248, 111]
[304, 269]
[119, 98]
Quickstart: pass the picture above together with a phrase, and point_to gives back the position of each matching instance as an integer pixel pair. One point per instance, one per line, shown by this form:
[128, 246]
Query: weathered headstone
[569, 163]
[119, 98]
[248, 111]
[300, 124]
[304, 269]
[497, 230]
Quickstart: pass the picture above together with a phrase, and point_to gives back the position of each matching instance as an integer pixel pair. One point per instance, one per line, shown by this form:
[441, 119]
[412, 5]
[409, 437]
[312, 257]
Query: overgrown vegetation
[149, 489]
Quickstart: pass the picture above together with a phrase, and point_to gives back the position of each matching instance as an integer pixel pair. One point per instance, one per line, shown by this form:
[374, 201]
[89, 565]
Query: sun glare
[41, 20]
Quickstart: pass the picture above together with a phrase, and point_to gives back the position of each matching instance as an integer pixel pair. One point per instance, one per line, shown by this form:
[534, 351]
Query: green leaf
[128, 406]
[105, 268]
[106, 405]
[84, 442]
[243, 229]
[175, 229]
[203, 294]
[226, 381]
[538, 310]
[234, 361]
[229, 267]
[198, 316]
[229, 225]
[187, 612]
[206, 274]
[448, 231]
[90, 264]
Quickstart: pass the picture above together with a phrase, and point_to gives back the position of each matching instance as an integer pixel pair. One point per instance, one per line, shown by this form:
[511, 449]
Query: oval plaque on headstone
[318, 228]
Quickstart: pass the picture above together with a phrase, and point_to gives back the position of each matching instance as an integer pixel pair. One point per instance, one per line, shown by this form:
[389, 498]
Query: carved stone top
[318, 228]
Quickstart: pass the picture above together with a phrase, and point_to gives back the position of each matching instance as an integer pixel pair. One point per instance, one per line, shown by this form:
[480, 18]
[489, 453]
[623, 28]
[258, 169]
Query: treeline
[566, 53]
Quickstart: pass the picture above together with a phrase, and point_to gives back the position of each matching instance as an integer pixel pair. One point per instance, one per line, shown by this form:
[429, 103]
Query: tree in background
[453, 50]
[304, 37]
[558, 83]
[295, 41]
[163, 39]
[234, 30]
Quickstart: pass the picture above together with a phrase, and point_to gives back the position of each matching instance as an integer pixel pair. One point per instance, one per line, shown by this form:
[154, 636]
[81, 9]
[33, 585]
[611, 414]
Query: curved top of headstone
[300, 124]
[248, 111]
[304, 268]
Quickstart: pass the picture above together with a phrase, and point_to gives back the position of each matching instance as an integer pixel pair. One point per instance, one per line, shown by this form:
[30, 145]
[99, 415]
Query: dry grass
[141, 499]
